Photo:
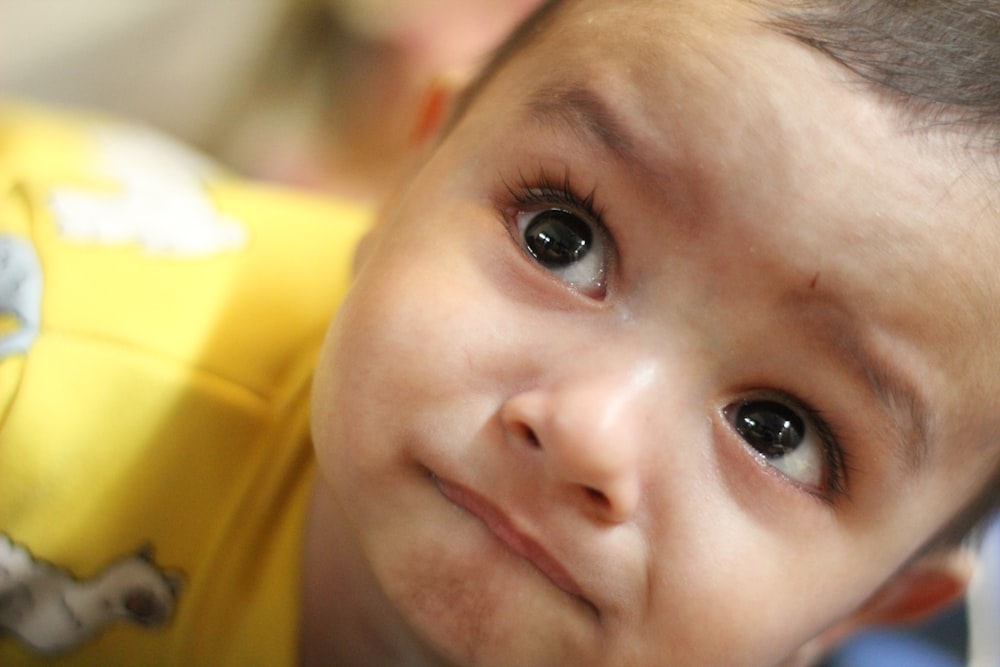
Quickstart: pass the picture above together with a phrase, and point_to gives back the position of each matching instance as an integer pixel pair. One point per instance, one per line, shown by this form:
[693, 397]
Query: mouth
[505, 531]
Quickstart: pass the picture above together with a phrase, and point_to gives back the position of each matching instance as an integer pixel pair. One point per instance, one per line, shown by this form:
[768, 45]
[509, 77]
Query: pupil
[770, 428]
[557, 238]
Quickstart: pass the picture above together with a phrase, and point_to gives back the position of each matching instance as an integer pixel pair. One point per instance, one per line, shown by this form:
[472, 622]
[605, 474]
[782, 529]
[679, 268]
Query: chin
[476, 603]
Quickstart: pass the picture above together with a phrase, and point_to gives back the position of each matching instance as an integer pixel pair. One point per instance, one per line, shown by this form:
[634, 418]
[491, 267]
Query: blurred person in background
[323, 93]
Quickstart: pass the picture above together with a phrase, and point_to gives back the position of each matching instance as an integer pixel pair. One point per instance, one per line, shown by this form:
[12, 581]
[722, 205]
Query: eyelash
[543, 190]
[836, 456]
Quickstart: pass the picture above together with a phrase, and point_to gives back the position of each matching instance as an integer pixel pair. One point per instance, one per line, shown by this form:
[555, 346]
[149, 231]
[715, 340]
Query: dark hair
[938, 61]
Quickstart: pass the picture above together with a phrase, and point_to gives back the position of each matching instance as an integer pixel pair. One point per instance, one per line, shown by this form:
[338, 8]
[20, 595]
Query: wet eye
[557, 238]
[566, 245]
[783, 439]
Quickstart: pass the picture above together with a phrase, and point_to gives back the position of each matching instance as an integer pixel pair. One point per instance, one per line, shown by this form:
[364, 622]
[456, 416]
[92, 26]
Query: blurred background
[324, 94]
[941, 642]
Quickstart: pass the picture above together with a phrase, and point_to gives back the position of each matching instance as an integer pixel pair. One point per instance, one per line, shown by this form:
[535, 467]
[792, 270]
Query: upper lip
[505, 530]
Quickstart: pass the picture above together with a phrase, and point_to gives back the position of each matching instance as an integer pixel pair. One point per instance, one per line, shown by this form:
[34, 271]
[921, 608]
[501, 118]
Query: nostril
[597, 496]
[527, 434]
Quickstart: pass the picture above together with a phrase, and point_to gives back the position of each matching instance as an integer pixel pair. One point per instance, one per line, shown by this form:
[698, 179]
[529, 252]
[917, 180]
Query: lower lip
[523, 546]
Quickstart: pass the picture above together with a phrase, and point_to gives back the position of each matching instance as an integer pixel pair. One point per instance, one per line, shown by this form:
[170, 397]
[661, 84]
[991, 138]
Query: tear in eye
[769, 427]
[557, 238]
[567, 245]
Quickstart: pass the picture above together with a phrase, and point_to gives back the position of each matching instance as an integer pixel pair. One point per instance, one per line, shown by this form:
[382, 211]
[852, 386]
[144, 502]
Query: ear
[927, 586]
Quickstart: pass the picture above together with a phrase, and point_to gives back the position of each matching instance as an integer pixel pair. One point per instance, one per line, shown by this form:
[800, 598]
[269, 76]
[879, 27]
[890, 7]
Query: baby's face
[671, 354]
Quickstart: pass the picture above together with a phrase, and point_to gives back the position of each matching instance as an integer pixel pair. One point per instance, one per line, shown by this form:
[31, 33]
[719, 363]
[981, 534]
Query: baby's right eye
[567, 245]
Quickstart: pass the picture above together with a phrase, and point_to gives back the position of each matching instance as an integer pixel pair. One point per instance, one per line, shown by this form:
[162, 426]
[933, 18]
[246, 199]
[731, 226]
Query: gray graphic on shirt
[52, 611]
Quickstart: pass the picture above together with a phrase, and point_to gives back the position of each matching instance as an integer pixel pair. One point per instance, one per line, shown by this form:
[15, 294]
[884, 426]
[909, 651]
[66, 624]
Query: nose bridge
[589, 425]
[597, 412]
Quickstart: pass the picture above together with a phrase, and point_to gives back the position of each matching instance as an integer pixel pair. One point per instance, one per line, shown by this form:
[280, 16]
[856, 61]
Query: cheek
[727, 585]
[414, 340]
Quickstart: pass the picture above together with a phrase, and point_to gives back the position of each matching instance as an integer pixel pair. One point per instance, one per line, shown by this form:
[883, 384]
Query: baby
[678, 349]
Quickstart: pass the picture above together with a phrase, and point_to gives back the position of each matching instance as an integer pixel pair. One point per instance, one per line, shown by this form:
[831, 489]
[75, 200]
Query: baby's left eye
[566, 245]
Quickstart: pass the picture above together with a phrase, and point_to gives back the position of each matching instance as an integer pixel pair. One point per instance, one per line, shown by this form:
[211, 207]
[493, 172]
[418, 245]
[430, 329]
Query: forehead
[710, 91]
[745, 129]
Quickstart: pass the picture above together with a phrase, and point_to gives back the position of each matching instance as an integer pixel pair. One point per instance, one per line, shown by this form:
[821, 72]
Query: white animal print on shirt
[162, 206]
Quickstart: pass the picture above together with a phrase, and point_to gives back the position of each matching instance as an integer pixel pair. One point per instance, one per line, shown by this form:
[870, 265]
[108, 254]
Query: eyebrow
[894, 391]
[900, 398]
[580, 108]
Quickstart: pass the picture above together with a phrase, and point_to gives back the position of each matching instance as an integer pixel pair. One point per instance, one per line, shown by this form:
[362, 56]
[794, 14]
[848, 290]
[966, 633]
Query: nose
[587, 434]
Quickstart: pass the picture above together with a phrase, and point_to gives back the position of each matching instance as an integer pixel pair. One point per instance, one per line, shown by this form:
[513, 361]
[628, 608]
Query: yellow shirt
[159, 320]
